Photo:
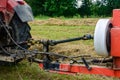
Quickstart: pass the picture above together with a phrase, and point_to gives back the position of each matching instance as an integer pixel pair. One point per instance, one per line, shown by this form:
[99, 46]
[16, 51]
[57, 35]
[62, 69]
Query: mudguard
[24, 12]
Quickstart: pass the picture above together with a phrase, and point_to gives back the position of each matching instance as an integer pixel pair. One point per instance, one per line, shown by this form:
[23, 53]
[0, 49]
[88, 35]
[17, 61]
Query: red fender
[9, 7]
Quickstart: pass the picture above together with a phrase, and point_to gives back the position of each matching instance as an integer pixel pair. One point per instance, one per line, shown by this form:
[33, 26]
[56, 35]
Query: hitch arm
[47, 43]
[55, 42]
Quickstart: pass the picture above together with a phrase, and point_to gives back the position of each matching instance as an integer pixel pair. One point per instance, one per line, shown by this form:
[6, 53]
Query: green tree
[37, 6]
[112, 4]
[99, 8]
[85, 9]
[68, 8]
[53, 7]
[60, 7]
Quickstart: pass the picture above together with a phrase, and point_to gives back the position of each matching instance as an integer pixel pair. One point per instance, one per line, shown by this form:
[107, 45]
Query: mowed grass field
[55, 29]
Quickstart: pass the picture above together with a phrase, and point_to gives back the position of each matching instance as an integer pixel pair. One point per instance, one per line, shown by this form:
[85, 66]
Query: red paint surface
[83, 69]
[115, 42]
[116, 18]
[74, 69]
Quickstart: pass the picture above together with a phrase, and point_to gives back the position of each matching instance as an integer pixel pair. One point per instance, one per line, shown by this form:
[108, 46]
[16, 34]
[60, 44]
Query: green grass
[26, 71]
[41, 17]
[60, 32]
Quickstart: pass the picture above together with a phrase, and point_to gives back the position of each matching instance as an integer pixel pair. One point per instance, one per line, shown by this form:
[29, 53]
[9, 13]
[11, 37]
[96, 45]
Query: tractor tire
[21, 30]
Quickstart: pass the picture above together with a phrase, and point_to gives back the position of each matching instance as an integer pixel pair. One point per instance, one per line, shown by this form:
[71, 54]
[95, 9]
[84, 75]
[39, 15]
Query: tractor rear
[14, 15]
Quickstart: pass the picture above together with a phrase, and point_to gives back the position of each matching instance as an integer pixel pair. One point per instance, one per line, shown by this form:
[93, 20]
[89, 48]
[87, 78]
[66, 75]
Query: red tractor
[14, 15]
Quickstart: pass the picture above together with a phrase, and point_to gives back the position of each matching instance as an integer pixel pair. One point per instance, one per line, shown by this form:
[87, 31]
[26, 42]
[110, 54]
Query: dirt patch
[68, 22]
[73, 49]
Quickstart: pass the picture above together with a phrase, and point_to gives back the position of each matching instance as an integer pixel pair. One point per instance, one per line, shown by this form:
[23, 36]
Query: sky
[79, 3]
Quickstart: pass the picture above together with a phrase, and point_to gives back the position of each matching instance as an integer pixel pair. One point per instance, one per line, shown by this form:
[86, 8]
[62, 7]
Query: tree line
[69, 8]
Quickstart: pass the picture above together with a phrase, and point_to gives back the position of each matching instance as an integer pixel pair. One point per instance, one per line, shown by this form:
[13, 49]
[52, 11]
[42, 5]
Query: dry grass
[66, 28]
[66, 22]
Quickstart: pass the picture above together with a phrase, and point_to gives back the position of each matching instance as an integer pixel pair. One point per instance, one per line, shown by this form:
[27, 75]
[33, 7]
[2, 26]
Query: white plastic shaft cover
[100, 36]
